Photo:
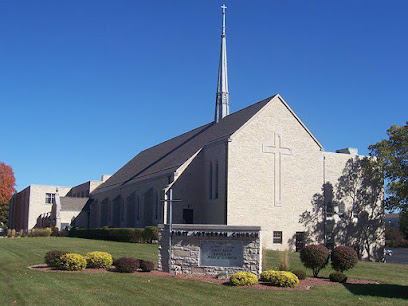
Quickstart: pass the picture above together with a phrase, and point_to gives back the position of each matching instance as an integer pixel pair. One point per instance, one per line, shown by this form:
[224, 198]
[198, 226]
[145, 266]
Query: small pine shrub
[301, 274]
[280, 278]
[53, 258]
[343, 258]
[314, 257]
[284, 261]
[146, 265]
[127, 264]
[243, 279]
[73, 262]
[337, 277]
[99, 260]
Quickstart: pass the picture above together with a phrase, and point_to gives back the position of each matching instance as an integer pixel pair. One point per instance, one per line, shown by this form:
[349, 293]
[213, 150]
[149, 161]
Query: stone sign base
[210, 249]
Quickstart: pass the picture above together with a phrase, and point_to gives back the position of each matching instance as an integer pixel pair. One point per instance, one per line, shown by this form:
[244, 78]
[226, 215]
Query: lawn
[21, 286]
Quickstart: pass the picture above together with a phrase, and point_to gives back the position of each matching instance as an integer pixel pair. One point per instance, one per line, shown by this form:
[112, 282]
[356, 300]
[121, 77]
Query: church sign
[221, 253]
[210, 249]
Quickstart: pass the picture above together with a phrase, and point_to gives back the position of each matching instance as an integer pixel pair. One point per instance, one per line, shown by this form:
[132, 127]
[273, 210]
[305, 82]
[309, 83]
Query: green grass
[21, 286]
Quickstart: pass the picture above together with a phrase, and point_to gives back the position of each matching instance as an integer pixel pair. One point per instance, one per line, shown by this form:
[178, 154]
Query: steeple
[222, 98]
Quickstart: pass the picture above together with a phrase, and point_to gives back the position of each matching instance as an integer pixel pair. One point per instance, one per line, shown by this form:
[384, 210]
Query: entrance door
[187, 216]
[300, 241]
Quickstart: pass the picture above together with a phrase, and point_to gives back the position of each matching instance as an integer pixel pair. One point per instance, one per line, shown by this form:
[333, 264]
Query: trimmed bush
[146, 265]
[314, 257]
[40, 232]
[99, 260]
[113, 234]
[53, 258]
[150, 233]
[337, 277]
[243, 279]
[73, 262]
[343, 258]
[280, 278]
[301, 274]
[127, 264]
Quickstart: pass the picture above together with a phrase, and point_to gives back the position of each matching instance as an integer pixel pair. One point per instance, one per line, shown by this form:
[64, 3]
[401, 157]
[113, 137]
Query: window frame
[275, 237]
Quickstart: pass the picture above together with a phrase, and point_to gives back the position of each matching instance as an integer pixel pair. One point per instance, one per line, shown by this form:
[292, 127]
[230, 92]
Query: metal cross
[170, 201]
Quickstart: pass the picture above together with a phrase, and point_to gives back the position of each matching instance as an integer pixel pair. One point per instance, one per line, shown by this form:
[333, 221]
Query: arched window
[130, 210]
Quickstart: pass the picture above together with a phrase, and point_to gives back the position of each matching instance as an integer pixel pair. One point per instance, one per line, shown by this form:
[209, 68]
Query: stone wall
[187, 240]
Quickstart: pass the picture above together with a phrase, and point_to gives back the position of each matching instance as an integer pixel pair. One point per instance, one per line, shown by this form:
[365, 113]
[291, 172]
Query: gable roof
[172, 153]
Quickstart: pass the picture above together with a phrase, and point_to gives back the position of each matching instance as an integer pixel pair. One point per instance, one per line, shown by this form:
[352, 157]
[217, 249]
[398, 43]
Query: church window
[216, 179]
[211, 181]
[157, 207]
[137, 209]
[50, 198]
[329, 209]
[277, 237]
[342, 208]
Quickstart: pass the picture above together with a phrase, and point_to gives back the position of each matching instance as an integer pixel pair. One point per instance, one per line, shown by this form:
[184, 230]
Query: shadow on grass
[381, 290]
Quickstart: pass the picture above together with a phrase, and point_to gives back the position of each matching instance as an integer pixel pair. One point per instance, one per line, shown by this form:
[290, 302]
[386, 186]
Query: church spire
[222, 98]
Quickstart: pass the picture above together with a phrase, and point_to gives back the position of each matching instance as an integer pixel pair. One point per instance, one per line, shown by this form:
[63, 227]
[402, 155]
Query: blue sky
[85, 85]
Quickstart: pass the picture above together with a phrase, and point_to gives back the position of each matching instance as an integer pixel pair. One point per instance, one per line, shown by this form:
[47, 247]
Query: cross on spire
[222, 97]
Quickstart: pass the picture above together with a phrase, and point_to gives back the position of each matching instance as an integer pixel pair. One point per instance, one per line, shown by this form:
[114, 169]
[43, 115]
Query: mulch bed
[304, 284]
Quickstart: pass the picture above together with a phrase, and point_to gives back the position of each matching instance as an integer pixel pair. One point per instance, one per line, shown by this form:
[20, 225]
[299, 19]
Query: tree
[362, 183]
[351, 212]
[7, 184]
[403, 222]
[392, 153]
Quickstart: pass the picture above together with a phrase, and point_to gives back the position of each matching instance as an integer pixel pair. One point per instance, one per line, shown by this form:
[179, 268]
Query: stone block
[197, 270]
[181, 253]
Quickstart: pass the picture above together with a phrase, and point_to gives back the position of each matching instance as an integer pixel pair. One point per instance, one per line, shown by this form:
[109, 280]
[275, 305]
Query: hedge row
[139, 235]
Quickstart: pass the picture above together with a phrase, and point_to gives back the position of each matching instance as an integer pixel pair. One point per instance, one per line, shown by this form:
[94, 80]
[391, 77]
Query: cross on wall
[277, 150]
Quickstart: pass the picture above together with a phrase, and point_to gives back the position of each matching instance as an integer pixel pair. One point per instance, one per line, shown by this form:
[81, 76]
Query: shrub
[40, 232]
[280, 278]
[73, 262]
[243, 279]
[150, 233]
[283, 261]
[301, 274]
[146, 265]
[314, 257]
[53, 258]
[337, 277]
[343, 258]
[105, 233]
[55, 231]
[98, 260]
[127, 264]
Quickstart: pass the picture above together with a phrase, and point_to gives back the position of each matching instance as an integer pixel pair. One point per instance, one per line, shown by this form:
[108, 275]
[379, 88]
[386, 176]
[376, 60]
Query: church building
[258, 166]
